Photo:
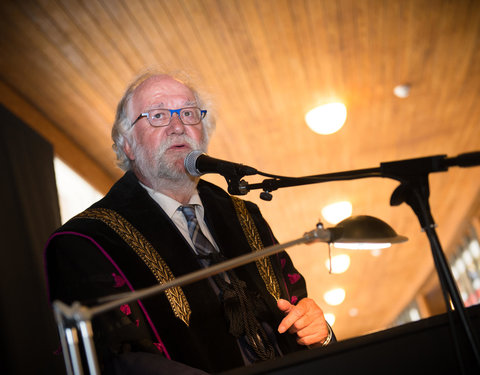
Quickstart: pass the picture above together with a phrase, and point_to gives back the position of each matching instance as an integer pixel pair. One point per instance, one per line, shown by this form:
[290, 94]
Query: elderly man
[156, 223]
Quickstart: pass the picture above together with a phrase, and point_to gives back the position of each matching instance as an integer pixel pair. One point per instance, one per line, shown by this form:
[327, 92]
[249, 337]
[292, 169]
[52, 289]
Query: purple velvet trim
[109, 258]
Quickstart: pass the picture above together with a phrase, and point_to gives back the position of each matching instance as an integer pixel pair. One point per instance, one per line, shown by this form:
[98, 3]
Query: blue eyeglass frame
[203, 113]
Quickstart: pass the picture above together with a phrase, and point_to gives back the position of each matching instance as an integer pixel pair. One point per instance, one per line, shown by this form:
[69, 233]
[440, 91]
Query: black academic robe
[87, 259]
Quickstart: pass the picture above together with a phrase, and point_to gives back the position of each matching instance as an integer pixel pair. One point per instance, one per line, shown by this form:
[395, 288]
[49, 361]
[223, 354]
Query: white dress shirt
[171, 208]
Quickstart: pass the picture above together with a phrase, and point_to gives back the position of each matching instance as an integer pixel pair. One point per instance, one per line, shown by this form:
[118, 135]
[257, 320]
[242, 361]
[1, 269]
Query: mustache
[171, 141]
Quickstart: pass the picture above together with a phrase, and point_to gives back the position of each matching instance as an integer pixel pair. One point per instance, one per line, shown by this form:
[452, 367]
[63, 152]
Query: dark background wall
[29, 214]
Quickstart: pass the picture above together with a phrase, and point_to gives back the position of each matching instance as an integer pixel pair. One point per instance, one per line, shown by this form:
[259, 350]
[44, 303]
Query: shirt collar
[170, 205]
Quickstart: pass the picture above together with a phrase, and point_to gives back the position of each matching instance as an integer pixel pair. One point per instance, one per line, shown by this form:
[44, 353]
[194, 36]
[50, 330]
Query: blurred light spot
[353, 312]
[334, 297]
[336, 212]
[330, 318]
[340, 263]
[402, 91]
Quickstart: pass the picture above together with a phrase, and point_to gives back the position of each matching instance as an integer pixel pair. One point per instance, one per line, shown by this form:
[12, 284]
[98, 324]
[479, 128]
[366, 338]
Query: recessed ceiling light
[336, 212]
[327, 118]
[334, 297]
[402, 91]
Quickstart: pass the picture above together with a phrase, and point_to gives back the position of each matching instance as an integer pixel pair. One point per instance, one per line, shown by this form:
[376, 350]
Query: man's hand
[305, 319]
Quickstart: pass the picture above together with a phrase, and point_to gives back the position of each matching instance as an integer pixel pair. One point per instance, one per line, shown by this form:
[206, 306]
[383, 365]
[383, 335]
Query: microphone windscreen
[190, 163]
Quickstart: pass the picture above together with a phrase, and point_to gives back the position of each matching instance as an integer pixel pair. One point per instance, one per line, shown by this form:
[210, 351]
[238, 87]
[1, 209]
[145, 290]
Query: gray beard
[165, 172]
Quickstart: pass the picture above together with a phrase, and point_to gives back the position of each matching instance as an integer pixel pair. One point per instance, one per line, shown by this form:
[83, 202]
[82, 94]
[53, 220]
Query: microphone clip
[236, 186]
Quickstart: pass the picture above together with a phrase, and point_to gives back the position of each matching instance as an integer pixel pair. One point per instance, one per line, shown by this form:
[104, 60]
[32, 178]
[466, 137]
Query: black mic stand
[413, 190]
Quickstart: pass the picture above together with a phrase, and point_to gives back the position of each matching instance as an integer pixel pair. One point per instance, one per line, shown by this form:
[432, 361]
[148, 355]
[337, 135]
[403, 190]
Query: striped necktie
[240, 312]
[201, 243]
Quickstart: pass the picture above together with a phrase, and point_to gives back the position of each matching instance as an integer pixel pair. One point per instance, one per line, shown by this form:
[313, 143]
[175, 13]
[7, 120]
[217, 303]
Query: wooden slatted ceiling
[65, 64]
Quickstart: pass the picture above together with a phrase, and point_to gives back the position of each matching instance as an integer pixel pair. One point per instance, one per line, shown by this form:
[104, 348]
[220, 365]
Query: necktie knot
[192, 222]
[202, 245]
[189, 212]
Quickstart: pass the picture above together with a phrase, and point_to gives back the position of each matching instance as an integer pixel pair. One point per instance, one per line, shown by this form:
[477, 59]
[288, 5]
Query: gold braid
[264, 265]
[135, 240]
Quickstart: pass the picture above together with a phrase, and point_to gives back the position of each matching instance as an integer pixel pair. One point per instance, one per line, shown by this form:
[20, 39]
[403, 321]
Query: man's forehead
[162, 104]
[153, 91]
[163, 83]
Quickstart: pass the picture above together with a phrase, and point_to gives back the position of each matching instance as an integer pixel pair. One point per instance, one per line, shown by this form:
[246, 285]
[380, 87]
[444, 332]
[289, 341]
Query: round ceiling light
[327, 118]
[336, 212]
[334, 297]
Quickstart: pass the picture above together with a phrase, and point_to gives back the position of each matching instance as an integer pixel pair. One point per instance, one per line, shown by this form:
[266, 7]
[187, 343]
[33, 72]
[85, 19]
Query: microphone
[197, 163]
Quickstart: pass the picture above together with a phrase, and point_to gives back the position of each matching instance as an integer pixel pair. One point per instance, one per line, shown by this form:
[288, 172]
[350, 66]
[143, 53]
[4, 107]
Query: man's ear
[128, 149]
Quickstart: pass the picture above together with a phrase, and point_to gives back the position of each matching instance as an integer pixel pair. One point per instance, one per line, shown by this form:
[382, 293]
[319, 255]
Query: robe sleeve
[78, 271]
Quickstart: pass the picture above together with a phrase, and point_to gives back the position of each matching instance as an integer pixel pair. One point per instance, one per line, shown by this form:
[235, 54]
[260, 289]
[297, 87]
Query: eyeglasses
[161, 117]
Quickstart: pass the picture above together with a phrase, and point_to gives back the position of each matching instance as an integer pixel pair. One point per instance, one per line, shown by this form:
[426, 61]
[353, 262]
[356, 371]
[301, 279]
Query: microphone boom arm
[397, 170]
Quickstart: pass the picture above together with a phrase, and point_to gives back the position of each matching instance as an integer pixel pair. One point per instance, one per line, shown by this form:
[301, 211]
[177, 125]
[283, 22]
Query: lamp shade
[361, 231]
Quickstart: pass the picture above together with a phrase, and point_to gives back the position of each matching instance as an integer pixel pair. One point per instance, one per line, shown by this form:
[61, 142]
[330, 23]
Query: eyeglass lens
[162, 117]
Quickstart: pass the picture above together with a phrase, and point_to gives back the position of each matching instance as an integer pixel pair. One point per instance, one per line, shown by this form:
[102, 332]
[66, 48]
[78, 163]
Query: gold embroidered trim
[146, 252]
[264, 265]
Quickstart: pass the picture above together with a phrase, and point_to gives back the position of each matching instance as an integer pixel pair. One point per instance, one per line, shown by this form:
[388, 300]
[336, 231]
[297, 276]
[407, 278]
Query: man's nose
[176, 125]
